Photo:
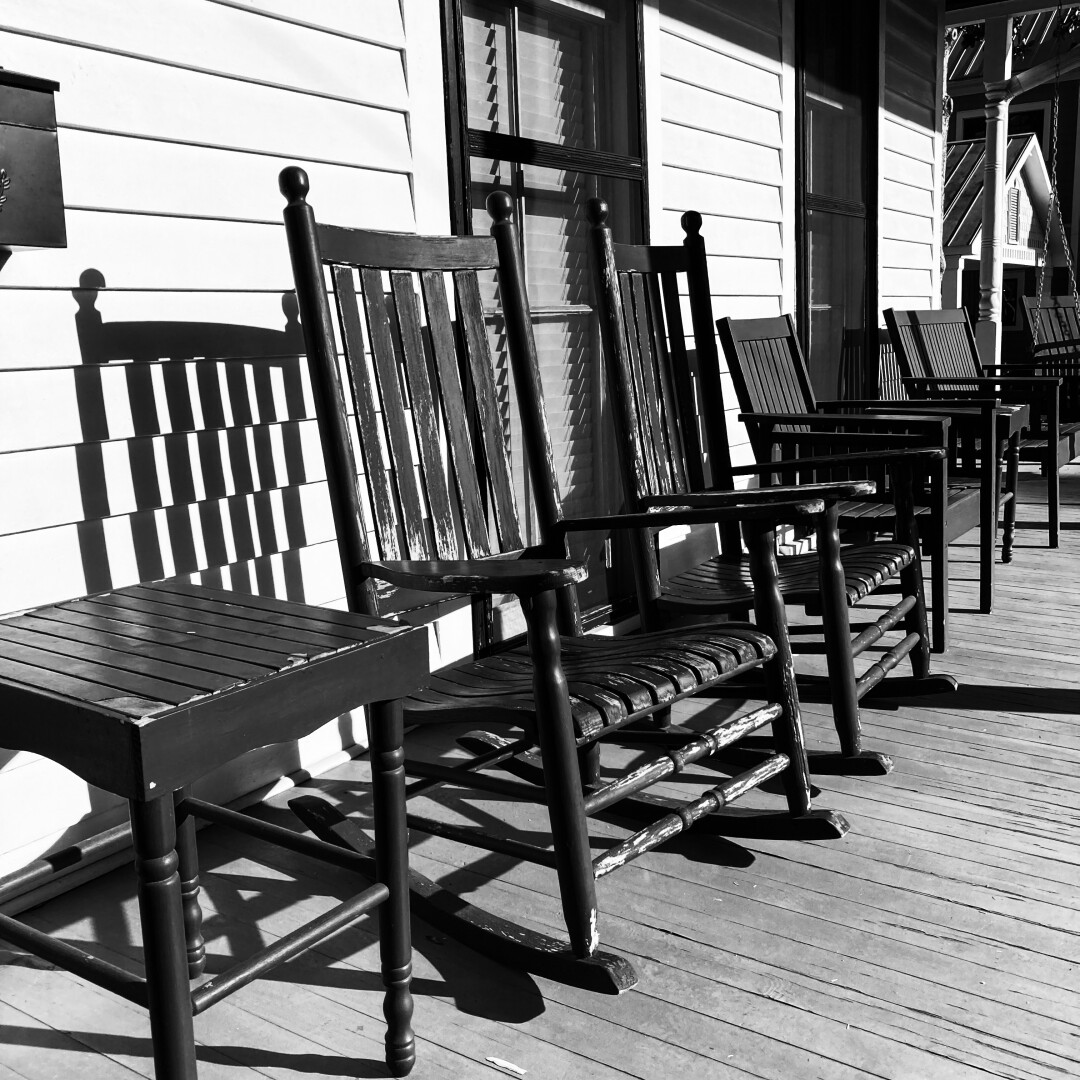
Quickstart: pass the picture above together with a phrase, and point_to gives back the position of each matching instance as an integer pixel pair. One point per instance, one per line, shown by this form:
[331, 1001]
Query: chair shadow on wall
[208, 417]
[200, 449]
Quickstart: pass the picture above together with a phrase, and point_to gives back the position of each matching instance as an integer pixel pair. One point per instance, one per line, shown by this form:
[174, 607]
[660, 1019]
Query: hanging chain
[1055, 202]
[1065, 244]
[1049, 220]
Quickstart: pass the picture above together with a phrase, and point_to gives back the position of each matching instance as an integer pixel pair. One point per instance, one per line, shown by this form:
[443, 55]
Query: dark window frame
[872, 47]
[462, 143]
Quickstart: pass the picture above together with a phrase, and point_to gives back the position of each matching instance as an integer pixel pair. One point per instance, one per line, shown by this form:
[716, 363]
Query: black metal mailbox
[31, 197]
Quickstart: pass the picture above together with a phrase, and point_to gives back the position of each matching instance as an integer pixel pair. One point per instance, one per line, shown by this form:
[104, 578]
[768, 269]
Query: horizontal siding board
[744, 28]
[722, 195]
[908, 171]
[897, 225]
[915, 111]
[26, 311]
[895, 280]
[196, 34]
[905, 303]
[115, 551]
[729, 275]
[372, 20]
[694, 62]
[740, 306]
[116, 93]
[912, 19]
[724, 235]
[903, 197]
[683, 103]
[909, 141]
[905, 254]
[128, 250]
[153, 472]
[688, 147]
[157, 179]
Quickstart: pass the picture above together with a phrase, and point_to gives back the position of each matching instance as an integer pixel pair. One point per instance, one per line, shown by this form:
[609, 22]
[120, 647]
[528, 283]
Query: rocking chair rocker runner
[640, 296]
[456, 531]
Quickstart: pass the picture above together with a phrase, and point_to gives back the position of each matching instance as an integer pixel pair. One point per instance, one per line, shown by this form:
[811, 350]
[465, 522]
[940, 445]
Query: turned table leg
[153, 827]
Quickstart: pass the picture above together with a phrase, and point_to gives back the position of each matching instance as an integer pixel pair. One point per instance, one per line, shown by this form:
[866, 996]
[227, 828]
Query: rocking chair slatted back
[866, 378]
[938, 344]
[771, 375]
[646, 291]
[435, 481]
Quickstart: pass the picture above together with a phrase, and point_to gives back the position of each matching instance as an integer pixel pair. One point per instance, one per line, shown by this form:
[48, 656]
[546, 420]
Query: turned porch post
[997, 71]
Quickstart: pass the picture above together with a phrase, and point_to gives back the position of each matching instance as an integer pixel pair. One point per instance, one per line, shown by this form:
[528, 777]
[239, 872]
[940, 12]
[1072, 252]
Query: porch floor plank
[939, 940]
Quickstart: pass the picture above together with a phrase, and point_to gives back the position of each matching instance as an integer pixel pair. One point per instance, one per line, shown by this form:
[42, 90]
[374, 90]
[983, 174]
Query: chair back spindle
[434, 478]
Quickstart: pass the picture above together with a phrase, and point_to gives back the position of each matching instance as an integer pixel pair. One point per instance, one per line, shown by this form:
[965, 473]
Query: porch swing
[1054, 321]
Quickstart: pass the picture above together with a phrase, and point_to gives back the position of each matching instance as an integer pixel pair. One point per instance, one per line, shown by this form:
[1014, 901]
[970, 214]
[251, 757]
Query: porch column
[997, 70]
[951, 281]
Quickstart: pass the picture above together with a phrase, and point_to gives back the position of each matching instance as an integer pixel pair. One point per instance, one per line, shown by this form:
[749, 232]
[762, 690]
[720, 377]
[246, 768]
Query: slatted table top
[122, 685]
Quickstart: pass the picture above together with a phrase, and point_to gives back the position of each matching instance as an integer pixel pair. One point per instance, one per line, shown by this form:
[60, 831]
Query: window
[544, 104]
[837, 261]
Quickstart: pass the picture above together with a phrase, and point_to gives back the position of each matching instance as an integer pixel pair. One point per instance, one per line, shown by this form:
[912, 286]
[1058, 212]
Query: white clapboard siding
[909, 209]
[138, 96]
[26, 311]
[374, 20]
[144, 251]
[174, 121]
[722, 153]
[204, 37]
[158, 179]
[727, 235]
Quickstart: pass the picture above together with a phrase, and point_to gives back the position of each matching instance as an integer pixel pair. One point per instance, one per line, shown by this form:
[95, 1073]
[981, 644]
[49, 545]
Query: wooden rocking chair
[780, 410]
[640, 292]
[446, 523]
[939, 359]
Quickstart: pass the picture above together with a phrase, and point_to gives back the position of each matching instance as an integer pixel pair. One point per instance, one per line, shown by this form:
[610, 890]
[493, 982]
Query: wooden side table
[141, 691]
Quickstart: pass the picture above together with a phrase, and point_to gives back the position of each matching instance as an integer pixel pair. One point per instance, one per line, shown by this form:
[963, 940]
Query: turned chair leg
[779, 672]
[1012, 475]
[589, 766]
[1053, 496]
[565, 802]
[836, 626]
[153, 828]
[385, 736]
[911, 577]
[188, 867]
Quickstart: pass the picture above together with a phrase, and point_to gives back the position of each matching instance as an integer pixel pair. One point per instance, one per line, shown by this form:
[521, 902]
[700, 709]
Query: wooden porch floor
[938, 939]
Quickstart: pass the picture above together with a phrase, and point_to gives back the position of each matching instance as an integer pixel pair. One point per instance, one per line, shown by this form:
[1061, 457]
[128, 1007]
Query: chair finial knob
[691, 223]
[293, 183]
[500, 206]
[597, 211]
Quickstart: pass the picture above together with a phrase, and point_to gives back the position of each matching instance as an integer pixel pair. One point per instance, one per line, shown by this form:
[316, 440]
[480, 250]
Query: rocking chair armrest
[827, 421]
[925, 454]
[1035, 383]
[791, 510]
[1031, 370]
[915, 405]
[829, 493]
[524, 577]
